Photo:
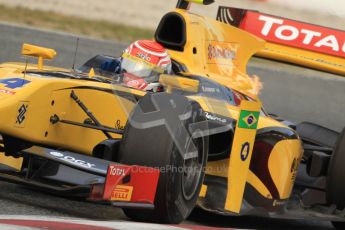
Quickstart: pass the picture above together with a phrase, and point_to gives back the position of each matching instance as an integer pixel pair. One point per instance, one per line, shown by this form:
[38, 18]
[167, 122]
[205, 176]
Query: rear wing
[291, 41]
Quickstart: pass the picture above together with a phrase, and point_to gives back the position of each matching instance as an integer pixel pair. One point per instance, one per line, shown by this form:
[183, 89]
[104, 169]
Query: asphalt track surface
[286, 93]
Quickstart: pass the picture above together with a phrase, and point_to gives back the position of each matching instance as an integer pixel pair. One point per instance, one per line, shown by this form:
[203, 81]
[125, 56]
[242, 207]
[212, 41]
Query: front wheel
[335, 179]
[159, 145]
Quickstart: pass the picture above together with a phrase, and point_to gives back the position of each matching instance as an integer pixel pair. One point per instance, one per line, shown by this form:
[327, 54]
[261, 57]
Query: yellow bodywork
[204, 36]
[11, 161]
[279, 164]
[242, 150]
[45, 97]
[206, 39]
[323, 62]
[213, 50]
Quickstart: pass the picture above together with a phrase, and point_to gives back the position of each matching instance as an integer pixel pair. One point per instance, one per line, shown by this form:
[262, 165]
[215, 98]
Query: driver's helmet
[142, 63]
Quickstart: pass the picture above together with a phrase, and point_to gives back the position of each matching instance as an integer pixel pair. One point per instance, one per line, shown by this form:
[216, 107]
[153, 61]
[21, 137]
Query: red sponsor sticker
[133, 81]
[7, 92]
[295, 34]
[126, 183]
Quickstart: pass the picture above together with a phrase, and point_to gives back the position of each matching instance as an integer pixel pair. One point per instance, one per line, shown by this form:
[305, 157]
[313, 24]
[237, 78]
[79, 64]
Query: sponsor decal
[122, 193]
[119, 126]
[295, 34]
[294, 168]
[143, 56]
[245, 151]
[72, 160]
[318, 60]
[221, 52]
[7, 92]
[13, 83]
[115, 171]
[278, 203]
[56, 154]
[214, 118]
[248, 119]
[293, 165]
[210, 89]
[20, 119]
[133, 83]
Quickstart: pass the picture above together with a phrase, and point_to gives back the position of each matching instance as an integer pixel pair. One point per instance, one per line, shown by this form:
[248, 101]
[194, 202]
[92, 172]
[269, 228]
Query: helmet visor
[140, 68]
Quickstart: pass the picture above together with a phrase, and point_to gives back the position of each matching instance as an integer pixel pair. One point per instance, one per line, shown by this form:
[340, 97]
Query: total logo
[114, 171]
[290, 33]
[72, 160]
[296, 34]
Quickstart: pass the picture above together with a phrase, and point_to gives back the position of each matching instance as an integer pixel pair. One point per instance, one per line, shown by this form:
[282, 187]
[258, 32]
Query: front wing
[81, 175]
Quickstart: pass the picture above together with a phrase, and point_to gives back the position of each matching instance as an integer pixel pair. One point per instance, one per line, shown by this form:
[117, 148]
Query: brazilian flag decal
[248, 119]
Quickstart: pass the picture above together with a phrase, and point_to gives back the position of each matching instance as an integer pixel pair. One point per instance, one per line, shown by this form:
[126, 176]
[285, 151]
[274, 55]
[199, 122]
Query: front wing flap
[129, 186]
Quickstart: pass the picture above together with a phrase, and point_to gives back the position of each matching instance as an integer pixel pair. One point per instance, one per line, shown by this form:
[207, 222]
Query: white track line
[120, 225]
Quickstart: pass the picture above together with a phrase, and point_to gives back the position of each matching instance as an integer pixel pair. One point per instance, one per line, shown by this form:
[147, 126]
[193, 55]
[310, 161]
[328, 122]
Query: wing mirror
[40, 52]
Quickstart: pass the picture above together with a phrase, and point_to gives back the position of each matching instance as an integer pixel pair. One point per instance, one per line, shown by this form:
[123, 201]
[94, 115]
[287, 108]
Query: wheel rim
[192, 169]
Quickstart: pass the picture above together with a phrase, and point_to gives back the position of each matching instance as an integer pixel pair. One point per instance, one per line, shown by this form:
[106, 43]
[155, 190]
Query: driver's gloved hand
[113, 66]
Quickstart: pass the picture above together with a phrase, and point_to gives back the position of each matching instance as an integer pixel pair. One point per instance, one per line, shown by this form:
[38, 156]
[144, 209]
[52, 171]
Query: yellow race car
[205, 141]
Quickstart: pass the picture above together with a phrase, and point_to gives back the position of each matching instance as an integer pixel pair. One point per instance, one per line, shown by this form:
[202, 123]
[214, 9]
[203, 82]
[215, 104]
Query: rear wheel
[156, 146]
[336, 171]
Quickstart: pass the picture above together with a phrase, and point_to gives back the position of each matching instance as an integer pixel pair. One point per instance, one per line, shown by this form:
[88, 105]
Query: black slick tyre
[156, 145]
